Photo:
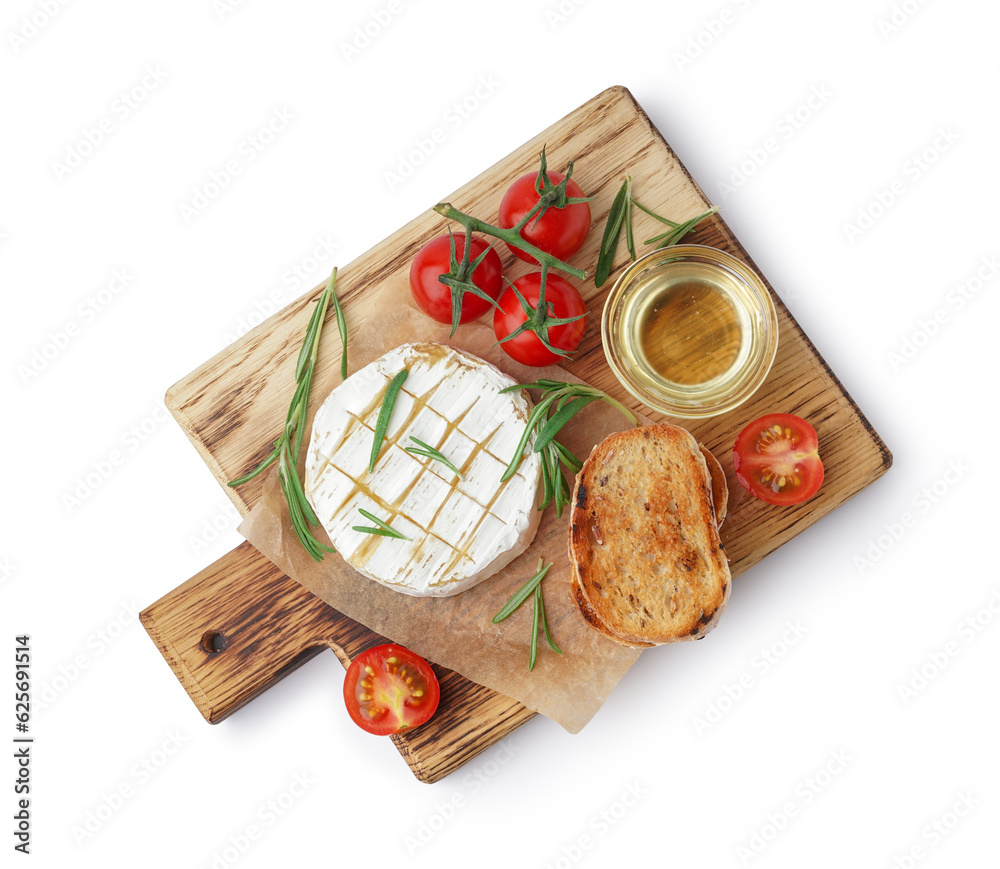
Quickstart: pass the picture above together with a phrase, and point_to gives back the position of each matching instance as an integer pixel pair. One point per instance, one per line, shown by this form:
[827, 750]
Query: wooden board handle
[241, 625]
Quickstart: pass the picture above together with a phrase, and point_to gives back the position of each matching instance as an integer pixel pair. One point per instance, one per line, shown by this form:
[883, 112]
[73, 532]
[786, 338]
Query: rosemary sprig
[559, 403]
[424, 449]
[382, 530]
[532, 588]
[620, 216]
[612, 229]
[677, 231]
[382, 423]
[521, 595]
[288, 445]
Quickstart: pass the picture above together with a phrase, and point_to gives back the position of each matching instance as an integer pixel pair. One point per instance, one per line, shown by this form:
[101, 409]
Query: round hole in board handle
[214, 642]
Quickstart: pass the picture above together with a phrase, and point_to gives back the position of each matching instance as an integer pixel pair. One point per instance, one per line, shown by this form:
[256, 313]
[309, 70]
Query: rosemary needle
[612, 230]
[533, 589]
[538, 617]
[382, 423]
[383, 528]
[533, 653]
[522, 593]
[629, 238]
[555, 422]
[545, 622]
[424, 449]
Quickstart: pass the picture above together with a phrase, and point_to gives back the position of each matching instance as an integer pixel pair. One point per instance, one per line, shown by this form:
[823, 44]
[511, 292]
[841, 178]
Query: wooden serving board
[241, 625]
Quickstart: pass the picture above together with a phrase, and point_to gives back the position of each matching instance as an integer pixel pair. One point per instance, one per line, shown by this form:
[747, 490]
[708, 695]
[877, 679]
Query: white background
[874, 217]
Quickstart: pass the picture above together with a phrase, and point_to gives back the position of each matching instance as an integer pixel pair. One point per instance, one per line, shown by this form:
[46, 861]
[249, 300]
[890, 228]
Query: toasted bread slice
[720, 499]
[648, 564]
[587, 611]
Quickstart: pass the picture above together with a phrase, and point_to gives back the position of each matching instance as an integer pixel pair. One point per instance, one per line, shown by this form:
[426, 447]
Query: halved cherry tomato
[434, 260]
[388, 689]
[562, 301]
[777, 459]
[559, 231]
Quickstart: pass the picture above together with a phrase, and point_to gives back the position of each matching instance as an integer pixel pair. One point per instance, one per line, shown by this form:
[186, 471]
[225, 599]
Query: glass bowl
[690, 331]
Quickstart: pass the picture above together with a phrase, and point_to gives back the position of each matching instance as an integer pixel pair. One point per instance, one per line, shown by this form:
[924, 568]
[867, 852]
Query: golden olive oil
[686, 329]
[690, 331]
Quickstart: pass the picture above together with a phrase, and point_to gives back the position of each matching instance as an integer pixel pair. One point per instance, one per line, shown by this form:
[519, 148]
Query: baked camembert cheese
[459, 529]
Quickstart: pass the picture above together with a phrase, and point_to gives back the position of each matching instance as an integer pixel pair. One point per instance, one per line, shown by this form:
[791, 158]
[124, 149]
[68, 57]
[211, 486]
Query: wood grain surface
[241, 625]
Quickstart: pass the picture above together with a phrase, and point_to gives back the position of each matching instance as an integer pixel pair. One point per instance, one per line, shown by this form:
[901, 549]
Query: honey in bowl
[690, 331]
[687, 328]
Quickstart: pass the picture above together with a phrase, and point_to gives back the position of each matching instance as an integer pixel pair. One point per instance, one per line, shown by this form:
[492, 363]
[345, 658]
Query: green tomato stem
[513, 238]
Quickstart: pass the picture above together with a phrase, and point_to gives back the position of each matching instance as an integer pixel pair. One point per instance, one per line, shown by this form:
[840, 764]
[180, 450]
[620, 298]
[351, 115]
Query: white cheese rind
[460, 530]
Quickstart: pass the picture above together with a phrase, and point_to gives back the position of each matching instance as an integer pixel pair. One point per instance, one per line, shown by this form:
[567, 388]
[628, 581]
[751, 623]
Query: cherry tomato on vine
[434, 260]
[388, 689]
[540, 327]
[559, 231]
[777, 459]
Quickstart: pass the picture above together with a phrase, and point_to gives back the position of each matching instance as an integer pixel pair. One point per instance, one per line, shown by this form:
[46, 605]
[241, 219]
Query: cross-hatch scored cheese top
[460, 530]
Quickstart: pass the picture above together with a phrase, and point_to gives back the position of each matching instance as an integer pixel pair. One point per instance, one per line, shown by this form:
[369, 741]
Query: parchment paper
[457, 632]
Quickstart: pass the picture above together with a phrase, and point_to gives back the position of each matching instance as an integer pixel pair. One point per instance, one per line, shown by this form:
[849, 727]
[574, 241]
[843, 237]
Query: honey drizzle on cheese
[363, 554]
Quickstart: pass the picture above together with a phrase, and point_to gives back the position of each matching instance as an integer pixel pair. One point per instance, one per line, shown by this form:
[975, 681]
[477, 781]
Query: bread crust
[648, 564]
[720, 489]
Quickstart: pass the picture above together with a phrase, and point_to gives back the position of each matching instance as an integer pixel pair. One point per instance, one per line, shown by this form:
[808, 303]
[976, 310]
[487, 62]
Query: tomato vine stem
[511, 236]
[549, 195]
[458, 279]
